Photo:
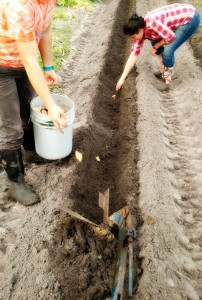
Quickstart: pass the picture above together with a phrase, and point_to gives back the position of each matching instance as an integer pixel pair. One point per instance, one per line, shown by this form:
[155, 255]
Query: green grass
[76, 3]
[62, 31]
[61, 44]
[198, 3]
[61, 37]
[59, 14]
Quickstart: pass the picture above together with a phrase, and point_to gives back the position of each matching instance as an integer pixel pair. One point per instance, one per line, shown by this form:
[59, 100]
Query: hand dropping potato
[43, 110]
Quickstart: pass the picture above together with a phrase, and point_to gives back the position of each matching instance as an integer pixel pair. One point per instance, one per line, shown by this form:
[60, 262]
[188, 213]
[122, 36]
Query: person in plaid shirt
[25, 30]
[167, 27]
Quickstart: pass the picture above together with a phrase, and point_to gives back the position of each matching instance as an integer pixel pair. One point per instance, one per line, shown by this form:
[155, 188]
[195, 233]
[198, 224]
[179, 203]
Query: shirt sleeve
[20, 22]
[136, 47]
[162, 30]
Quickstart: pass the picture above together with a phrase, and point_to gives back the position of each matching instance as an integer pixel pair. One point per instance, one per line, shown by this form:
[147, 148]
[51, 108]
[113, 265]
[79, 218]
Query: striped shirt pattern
[23, 21]
[162, 22]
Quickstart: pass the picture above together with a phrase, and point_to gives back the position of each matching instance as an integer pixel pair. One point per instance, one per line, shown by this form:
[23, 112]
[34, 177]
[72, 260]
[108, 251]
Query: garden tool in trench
[127, 234]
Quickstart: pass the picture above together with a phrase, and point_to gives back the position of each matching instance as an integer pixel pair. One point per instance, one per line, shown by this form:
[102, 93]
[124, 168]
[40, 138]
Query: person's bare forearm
[154, 48]
[128, 67]
[45, 47]
[38, 82]
[29, 55]
[159, 44]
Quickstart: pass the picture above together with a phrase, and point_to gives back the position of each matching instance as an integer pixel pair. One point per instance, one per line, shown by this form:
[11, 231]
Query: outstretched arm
[128, 67]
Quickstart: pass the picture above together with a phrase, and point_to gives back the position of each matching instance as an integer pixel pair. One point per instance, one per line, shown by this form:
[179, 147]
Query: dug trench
[108, 144]
[75, 261]
[145, 146]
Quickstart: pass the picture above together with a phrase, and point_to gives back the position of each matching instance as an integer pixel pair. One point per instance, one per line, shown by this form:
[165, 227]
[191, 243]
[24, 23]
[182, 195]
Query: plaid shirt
[162, 22]
[23, 21]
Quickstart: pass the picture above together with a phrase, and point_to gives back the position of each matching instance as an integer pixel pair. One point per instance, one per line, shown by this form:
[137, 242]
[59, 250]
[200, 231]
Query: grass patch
[65, 20]
[199, 3]
[60, 14]
[61, 43]
[77, 3]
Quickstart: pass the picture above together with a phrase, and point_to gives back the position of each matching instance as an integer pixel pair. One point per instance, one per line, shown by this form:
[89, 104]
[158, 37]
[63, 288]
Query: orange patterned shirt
[23, 21]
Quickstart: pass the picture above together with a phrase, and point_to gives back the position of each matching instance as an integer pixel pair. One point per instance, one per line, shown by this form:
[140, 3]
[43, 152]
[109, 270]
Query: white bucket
[50, 143]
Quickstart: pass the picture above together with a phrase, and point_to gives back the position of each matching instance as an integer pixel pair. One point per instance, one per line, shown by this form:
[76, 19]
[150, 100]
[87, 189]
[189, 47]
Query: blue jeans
[183, 33]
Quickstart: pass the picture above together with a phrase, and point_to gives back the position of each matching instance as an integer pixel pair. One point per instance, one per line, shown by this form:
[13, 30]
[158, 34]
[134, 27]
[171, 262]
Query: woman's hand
[119, 85]
[51, 77]
[153, 51]
[57, 115]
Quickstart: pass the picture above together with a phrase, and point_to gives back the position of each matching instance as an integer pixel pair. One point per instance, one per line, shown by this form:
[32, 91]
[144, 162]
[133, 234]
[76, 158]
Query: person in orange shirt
[25, 31]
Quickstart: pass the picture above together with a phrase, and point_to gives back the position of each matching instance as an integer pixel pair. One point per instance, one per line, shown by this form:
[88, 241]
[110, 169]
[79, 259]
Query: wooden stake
[104, 204]
[77, 216]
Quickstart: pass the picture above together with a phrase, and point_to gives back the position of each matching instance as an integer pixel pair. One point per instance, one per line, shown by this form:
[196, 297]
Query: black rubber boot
[13, 165]
[29, 151]
[28, 138]
[32, 157]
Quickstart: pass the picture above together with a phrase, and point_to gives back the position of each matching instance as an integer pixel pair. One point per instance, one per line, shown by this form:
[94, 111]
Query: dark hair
[134, 24]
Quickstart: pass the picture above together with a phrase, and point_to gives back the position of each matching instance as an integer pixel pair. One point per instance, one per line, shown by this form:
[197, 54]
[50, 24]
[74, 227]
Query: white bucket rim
[46, 117]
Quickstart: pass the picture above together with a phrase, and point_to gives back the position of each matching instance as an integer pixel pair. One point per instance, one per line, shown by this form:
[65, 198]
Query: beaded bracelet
[49, 68]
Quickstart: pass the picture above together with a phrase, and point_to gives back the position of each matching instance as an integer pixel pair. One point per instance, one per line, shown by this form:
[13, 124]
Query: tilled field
[149, 144]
